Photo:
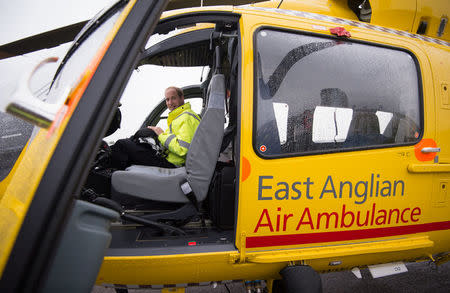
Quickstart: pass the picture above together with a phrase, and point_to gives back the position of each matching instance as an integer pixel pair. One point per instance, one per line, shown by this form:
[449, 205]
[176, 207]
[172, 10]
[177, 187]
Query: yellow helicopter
[324, 145]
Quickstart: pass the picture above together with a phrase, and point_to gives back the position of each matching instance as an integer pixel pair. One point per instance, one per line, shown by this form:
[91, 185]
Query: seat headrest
[216, 91]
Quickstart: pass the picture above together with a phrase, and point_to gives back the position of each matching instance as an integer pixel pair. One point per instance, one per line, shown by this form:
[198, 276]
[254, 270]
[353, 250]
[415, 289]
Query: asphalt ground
[421, 277]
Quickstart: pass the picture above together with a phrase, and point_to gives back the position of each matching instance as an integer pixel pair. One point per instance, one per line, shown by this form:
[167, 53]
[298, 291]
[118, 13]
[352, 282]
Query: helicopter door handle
[428, 150]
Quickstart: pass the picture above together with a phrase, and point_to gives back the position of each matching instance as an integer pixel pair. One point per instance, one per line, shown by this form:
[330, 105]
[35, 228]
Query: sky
[24, 18]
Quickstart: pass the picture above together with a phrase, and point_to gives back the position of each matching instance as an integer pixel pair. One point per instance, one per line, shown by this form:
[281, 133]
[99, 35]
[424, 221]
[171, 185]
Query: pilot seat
[187, 186]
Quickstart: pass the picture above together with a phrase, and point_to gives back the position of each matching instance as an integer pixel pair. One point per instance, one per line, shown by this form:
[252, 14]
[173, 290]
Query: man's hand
[143, 132]
[156, 129]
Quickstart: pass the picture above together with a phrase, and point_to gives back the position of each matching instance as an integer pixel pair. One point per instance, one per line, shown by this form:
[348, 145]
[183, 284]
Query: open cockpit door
[51, 241]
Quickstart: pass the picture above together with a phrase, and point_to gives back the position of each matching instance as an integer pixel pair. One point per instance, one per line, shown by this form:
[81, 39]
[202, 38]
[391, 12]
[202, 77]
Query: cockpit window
[318, 94]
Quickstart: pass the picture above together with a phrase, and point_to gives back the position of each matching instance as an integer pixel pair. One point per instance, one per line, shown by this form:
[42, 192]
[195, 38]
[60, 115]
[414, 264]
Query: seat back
[204, 149]
[333, 97]
[364, 129]
[364, 123]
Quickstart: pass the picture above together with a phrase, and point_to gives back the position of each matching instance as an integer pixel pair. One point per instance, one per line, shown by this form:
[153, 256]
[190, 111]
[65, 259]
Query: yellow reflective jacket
[177, 138]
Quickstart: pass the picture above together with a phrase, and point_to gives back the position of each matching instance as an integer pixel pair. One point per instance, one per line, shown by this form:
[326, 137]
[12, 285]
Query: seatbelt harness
[187, 190]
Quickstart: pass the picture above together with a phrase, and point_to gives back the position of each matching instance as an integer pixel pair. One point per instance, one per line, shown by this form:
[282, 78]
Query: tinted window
[318, 94]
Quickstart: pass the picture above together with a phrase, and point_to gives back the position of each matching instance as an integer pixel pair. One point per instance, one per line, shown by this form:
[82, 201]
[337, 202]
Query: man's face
[173, 100]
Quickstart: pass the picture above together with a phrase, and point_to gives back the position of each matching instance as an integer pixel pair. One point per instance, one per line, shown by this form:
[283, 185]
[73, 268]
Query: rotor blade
[41, 41]
[66, 34]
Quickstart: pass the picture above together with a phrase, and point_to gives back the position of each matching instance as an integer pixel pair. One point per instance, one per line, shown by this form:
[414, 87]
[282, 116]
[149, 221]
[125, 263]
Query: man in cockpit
[182, 123]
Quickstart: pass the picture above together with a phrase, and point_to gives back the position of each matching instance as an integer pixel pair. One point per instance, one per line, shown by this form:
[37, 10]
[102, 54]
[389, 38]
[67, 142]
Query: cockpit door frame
[40, 234]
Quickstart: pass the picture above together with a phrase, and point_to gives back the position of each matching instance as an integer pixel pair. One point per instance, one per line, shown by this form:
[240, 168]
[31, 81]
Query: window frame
[328, 151]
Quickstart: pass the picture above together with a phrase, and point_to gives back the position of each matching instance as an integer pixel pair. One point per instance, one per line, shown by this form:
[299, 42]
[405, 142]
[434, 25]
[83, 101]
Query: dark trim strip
[308, 238]
[167, 24]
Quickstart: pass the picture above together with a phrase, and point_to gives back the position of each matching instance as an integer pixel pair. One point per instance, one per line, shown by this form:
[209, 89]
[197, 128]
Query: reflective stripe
[168, 140]
[189, 113]
[184, 144]
[170, 128]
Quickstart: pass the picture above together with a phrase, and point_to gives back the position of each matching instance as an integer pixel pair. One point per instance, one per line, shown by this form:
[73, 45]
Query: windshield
[83, 50]
[14, 133]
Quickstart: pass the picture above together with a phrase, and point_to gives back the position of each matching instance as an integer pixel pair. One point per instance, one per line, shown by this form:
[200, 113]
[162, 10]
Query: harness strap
[187, 190]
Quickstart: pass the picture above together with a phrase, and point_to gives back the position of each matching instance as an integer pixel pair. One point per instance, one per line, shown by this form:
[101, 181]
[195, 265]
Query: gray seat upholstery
[161, 184]
[364, 130]
[364, 123]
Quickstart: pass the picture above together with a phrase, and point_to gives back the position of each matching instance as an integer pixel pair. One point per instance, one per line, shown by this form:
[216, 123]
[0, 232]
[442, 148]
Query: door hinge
[241, 256]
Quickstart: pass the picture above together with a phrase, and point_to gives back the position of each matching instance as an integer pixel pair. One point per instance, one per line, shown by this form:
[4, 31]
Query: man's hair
[177, 89]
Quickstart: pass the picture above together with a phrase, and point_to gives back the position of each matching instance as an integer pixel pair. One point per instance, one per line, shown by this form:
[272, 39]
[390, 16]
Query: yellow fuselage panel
[316, 208]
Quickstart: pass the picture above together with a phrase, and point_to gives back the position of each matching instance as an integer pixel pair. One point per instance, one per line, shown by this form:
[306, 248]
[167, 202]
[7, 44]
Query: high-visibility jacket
[176, 139]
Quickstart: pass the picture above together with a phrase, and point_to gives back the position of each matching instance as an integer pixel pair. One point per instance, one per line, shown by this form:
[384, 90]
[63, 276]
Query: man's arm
[179, 140]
